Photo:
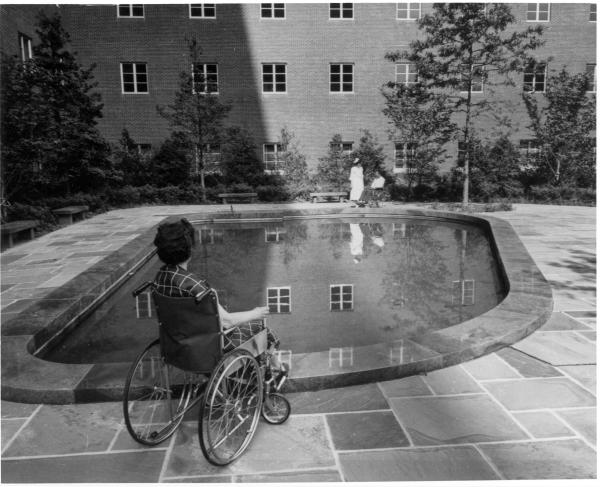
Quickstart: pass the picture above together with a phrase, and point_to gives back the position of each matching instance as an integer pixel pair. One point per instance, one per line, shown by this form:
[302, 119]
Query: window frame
[593, 77]
[278, 304]
[272, 9]
[135, 78]
[274, 75]
[341, 302]
[408, 10]
[278, 148]
[278, 232]
[408, 156]
[407, 74]
[535, 73]
[537, 12]
[341, 9]
[342, 150]
[474, 67]
[131, 13]
[593, 12]
[341, 81]
[205, 82]
[25, 44]
[203, 7]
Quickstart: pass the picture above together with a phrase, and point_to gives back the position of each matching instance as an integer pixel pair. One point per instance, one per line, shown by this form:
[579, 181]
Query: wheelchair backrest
[190, 331]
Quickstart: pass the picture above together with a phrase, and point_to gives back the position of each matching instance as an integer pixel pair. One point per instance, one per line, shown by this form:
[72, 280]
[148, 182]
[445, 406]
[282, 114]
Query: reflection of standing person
[356, 242]
[356, 181]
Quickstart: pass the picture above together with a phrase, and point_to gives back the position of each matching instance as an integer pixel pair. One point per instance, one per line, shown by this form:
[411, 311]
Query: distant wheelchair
[186, 365]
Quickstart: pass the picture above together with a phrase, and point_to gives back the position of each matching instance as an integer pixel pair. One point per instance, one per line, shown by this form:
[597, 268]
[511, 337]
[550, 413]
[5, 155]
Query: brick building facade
[278, 64]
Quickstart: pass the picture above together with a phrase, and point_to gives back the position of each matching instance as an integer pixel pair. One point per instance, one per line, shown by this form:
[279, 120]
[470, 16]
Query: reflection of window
[592, 12]
[341, 78]
[274, 78]
[272, 10]
[279, 299]
[134, 77]
[343, 147]
[590, 71]
[538, 12]
[341, 297]
[408, 11]
[143, 305]
[271, 156]
[205, 78]
[406, 74]
[341, 10]
[397, 352]
[130, 10]
[399, 230]
[534, 78]
[276, 234]
[211, 235]
[203, 11]
[25, 47]
[463, 292]
[476, 79]
[343, 356]
[404, 156]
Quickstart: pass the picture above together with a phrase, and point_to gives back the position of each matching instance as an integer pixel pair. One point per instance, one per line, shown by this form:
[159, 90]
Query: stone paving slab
[451, 380]
[526, 365]
[583, 374]
[543, 424]
[559, 348]
[568, 459]
[583, 421]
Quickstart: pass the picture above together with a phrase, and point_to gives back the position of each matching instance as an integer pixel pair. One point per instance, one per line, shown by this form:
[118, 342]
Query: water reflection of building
[319, 298]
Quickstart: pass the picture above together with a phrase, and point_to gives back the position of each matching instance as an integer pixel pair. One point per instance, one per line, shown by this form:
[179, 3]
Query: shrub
[272, 193]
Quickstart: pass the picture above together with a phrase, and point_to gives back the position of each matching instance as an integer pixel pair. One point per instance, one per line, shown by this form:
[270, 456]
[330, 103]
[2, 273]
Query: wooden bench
[329, 196]
[11, 230]
[69, 214]
[238, 197]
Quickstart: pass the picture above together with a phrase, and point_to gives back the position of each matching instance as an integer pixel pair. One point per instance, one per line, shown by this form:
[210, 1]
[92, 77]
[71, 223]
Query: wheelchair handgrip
[139, 290]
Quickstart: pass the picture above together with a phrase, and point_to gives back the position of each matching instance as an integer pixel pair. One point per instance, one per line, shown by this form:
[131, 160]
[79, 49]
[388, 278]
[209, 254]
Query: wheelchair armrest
[140, 289]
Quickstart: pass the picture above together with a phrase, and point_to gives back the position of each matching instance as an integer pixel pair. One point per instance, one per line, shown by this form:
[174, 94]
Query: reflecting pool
[331, 283]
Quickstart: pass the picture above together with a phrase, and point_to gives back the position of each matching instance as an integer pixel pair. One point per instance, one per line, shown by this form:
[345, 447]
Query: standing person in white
[357, 183]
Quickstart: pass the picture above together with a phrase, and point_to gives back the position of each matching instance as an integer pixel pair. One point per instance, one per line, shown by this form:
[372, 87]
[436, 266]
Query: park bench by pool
[12, 231]
[238, 197]
[329, 196]
[69, 214]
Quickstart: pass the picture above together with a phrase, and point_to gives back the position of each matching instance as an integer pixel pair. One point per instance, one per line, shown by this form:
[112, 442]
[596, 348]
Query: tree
[238, 158]
[371, 155]
[50, 142]
[293, 165]
[564, 127]
[333, 170]
[171, 164]
[197, 112]
[422, 123]
[463, 45]
[135, 167]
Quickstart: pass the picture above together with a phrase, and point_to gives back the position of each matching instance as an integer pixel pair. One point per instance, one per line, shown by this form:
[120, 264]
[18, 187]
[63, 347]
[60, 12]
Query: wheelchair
[187, 366]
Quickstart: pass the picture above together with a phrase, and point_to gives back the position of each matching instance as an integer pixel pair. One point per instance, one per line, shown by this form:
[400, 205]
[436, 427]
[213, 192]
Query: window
[135, 77]
[341, 78]
[279, 299]
[408, 11]
[271, 157]
[203, 11]
[275, 234]
[530, 152]
[406, 74]
[205, 78]
[211, 236]
[590, 71]
[25, 47]
[341, 10]
[404, 156]
[343, 147]
[535, 78]
[592, 12]
[476, 79]
[538, 12]
[130, 10]
[272, 10]
[341, 297]
[143, 149]
[212, 157]
[274, 78]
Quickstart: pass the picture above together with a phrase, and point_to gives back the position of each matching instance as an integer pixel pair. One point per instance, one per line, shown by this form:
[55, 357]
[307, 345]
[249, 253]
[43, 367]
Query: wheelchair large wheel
[276, 408]
[155, 397]
[231, 408]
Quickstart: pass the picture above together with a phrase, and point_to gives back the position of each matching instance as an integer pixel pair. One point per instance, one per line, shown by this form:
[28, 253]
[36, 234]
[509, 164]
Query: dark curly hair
[174, 241]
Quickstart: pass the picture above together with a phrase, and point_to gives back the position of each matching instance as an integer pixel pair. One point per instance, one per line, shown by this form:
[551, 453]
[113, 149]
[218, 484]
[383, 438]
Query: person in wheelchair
[174, 242]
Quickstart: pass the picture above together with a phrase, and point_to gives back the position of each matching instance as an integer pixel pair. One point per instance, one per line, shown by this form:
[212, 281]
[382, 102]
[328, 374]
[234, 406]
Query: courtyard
[527, 411]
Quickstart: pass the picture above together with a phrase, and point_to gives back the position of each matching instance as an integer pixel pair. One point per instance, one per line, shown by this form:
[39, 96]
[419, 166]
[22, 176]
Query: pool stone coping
[30, 379]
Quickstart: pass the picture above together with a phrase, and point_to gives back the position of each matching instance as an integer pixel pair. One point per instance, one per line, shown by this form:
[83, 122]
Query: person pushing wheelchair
[174, 242]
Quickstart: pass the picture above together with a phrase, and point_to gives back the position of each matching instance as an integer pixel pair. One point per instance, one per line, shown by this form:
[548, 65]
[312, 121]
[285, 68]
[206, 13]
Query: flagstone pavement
[527, 411]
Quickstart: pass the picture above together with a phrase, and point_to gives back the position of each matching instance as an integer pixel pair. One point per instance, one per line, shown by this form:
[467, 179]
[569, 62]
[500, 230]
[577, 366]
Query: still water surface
[329, 283]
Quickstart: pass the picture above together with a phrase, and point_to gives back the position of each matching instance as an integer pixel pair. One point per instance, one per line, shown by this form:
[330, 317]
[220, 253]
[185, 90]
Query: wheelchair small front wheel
[276, 408]
[230, 410]
[155, 397]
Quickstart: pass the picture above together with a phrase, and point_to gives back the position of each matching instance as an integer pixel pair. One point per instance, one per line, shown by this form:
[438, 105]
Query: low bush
[561, 194]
